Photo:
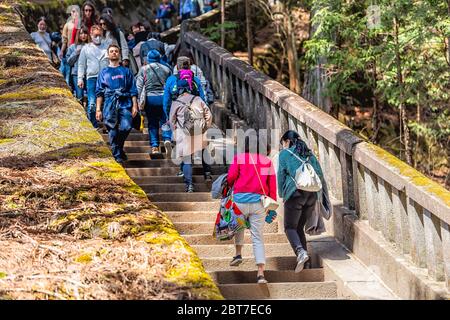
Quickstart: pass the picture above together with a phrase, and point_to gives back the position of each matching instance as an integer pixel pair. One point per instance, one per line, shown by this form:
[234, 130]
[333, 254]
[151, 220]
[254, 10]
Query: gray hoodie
[92, 60]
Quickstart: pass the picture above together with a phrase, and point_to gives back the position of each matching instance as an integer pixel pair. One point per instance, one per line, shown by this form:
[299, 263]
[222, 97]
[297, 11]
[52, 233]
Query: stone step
[287, 290]
[180, 196]
[131, 137]
[158, 163]
[188, 206]
[238, 277]
[137, 149]
[205, 227]
[133, 144]
[228, 250]
[167, 179]
[170, 171]
[208, 239]
[248, 264]
[176, 188]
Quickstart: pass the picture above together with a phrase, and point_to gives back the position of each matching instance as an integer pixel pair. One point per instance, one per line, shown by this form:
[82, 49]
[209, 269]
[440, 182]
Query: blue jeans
[78, 91]
[185, 16]
[165, 24]
[64, 68]
[156, 118]
[119, 134]
[91, 85]
[186, 167]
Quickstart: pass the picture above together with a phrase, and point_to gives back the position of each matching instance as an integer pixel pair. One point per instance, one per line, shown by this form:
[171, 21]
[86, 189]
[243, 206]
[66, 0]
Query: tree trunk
[294, 79]
[248, 20]
[448, 38]
[315, 78]
[403, 115]
[222, 21]
[376, 107]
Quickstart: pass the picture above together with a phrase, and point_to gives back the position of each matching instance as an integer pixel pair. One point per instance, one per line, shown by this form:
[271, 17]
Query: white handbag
[306, 177]
[267, 202]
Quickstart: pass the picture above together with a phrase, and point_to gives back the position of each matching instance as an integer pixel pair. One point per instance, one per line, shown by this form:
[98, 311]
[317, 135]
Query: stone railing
[410, 210]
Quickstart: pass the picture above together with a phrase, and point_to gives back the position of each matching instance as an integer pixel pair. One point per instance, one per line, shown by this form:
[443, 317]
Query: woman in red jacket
[252, 175]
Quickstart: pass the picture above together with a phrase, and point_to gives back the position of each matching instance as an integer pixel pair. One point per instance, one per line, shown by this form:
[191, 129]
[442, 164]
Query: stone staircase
[194, 215]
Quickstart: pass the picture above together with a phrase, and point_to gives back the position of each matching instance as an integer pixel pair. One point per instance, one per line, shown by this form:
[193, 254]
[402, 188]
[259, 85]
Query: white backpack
[306, 177]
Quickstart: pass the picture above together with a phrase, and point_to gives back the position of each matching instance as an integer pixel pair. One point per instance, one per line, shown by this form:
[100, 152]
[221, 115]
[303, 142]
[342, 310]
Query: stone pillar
[187, 26]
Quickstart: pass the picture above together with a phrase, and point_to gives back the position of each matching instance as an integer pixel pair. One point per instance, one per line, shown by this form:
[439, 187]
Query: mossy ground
[73, 225]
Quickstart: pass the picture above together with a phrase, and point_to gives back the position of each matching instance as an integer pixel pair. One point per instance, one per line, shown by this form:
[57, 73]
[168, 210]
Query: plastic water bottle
[271, 215]
[165, 127]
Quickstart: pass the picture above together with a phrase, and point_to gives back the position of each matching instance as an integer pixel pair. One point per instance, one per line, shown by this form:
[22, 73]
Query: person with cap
[187, 142]
[171, 89]
[152, 78]
[116, 102]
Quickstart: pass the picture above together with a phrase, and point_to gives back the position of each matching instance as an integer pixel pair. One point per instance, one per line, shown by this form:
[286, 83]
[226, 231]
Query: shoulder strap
[156, 74]
[184, 103]
[303, 161]
[257, 174]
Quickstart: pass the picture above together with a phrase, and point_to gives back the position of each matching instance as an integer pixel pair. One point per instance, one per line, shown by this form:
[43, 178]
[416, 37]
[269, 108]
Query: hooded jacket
[92, 60]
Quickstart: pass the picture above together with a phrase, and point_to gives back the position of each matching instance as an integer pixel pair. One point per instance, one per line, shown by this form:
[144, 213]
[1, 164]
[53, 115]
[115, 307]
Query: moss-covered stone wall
[73, 225]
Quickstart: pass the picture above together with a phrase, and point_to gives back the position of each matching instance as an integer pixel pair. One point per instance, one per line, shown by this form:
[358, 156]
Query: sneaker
[190, 188]
[168, 146]
[208, 176]
[155, 150]
[261, 279]
[302, 257]
[237, 260]
[180, 174]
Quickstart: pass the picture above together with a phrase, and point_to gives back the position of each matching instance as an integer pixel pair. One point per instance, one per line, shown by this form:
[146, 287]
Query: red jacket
[242, 175]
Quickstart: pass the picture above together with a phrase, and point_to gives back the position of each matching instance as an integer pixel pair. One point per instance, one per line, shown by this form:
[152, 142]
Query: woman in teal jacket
[298, 204]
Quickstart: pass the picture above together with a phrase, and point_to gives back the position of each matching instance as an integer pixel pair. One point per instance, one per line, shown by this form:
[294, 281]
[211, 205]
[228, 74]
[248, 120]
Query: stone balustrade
[411, 211]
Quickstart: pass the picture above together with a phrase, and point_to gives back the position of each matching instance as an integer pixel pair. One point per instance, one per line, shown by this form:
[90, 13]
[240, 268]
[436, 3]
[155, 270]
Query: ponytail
[294, 140]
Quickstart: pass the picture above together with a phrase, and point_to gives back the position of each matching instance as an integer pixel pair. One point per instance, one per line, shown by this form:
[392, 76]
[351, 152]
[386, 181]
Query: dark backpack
[148, 45]
[176, 92]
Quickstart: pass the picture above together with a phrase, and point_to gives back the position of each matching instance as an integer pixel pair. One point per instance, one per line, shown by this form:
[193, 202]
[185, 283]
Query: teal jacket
[287, 165]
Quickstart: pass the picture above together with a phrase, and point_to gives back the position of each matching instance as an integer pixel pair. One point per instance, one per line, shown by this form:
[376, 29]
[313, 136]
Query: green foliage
[362, 58]
[214, 32]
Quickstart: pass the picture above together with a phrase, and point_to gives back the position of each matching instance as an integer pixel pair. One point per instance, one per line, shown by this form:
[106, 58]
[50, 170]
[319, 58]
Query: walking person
[171, 91]
[93, 58]
[42, 38]
[115, 35]
[88, 15]
[251, 175]
[69, 35]
[73, 54]
[164, 15]
[299, 205]
[188, 143]
[198, 73]
[188, 9]
[152, 78]
[116, 102]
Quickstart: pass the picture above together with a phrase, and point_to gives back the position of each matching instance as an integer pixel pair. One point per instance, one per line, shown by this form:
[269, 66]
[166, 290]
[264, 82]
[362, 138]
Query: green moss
[6, 141]
[35, 93]
[3, 275]
[84, 258]
[412, 174]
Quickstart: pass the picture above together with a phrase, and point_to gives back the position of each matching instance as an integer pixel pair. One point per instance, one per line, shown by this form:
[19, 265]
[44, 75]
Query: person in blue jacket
[117, 93]
[164, 15]
[171, 89]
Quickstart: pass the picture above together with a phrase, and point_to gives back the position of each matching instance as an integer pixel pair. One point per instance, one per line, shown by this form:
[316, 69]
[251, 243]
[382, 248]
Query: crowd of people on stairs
[117, 77]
